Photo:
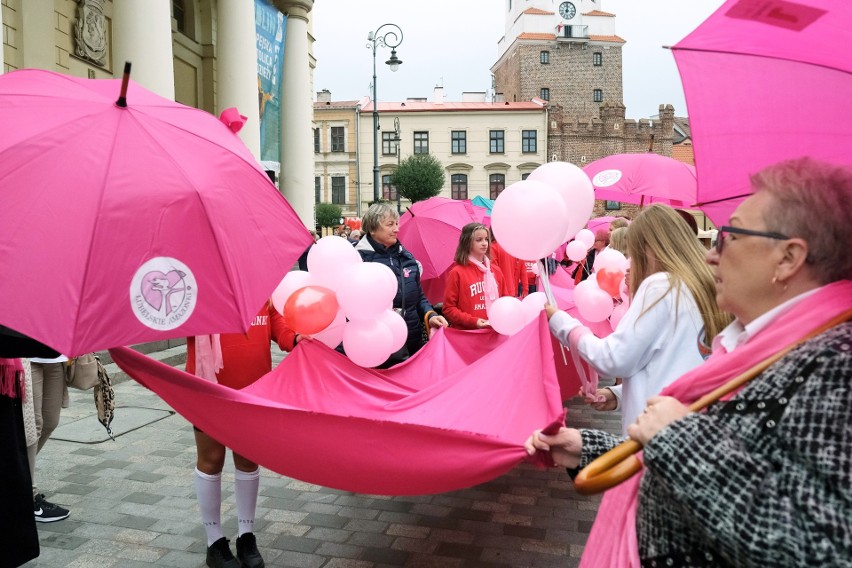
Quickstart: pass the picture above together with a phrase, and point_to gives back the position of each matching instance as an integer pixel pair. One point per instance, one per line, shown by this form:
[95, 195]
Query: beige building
[335, 131]
[201, 53]
[483, 146]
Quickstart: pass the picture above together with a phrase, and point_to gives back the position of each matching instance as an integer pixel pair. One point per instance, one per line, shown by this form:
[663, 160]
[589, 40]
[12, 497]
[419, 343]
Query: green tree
[328, 214]
[418, 177]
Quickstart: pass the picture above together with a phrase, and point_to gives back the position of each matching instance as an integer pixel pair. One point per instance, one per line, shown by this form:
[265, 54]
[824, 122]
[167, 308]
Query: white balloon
[576, 250]
[333, 334]
[506, 315]
[367, 342]
[575, 188]
[397, 326]
[328, 258]
[529, 220]
[533, 305]
[292, 281]
[586, 237]
[366, 290]
[610, 259]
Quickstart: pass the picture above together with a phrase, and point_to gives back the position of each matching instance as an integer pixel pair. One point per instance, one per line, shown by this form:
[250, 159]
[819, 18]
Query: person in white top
[672, 313]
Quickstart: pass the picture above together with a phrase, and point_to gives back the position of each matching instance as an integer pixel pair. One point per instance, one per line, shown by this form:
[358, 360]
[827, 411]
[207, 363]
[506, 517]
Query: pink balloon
[367, 342]
[617, 313]
[291, 282]
[574, 187]
[397, 326]
[610, 259]
[328, 258]
[576, 250]
[595, 305]
[533, 305]
[333, 334]
[506, 315]
[367, 289]
[586, 237]
[529, 219]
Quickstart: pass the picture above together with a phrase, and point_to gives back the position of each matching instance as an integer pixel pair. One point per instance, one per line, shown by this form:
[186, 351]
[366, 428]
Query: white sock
[208, 490]
[246, 487]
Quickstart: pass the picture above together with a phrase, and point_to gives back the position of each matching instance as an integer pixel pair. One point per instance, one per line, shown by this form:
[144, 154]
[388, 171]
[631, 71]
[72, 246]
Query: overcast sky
[454, 43]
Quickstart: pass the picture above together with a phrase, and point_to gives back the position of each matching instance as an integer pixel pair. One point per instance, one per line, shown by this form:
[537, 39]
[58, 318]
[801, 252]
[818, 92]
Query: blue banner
[269, 26]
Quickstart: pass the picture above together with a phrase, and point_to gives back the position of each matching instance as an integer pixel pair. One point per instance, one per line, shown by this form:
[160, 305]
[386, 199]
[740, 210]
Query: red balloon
[610, 281]
[310, 309]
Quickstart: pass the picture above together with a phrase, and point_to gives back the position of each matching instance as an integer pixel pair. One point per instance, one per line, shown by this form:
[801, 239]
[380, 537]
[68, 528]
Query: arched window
[458, 183]
[496, 184]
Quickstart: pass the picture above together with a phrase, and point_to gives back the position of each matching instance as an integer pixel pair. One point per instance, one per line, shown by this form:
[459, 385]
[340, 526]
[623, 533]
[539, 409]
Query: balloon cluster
[342, 298]
[594, 296]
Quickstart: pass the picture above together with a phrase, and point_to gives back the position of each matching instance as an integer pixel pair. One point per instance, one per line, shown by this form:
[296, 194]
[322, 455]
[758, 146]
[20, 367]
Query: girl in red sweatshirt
[473, 282]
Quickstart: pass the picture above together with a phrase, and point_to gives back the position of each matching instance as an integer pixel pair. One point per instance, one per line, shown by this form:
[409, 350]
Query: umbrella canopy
[600, 223]
[765, 82]
[483, 202]
[129, 224]
[430, 229]
[643, 179]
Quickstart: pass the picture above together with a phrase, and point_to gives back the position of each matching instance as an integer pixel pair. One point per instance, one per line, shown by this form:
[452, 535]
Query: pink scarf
[489, 283]
[208, 356]
[613, 540]
[11, 378]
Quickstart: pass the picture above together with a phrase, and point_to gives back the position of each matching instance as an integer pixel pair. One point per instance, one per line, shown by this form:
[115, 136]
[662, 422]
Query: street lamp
[397, 139]
[390, 38]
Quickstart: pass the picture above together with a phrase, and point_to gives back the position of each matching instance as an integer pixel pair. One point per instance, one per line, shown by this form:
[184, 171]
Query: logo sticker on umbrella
[606, 178]
[163, 293]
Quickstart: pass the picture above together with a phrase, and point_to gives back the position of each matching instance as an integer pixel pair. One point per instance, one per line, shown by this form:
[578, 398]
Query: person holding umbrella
[763, 475]
[235, 360]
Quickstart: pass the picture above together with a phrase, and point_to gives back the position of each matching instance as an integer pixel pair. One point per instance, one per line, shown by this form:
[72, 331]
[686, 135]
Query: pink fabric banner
[454, 415]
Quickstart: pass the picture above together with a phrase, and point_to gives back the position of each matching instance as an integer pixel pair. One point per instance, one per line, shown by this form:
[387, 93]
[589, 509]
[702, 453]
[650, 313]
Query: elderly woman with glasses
[762, 477]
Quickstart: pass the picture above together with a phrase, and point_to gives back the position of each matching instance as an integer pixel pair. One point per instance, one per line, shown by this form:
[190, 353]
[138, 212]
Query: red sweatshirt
[246, 356]
[464, 298]
[514, 270]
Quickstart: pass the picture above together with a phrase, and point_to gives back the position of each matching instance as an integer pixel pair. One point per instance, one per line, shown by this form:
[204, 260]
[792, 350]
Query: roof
[530, 35]
[681, 124]
[599, 13]
[538, 12]
[422, 106]
[336, 105]
[683, 153]
[613, 38]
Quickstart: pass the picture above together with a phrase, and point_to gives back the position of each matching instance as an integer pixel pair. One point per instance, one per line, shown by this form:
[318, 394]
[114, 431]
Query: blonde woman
[672, 318]
[618, 240]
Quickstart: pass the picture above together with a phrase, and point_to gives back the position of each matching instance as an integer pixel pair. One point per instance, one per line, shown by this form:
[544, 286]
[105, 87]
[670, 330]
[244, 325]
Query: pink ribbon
[489, 283]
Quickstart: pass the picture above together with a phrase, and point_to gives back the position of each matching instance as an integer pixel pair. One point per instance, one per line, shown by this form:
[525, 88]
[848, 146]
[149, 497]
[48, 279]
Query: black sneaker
[219, 555]
[47, 512]
[247, 552]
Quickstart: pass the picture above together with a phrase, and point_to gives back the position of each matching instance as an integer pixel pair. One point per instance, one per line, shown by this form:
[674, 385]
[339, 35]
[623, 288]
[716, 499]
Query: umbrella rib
[773, 57]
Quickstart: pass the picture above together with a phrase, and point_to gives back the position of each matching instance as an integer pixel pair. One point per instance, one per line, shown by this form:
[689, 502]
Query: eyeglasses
[724, 231]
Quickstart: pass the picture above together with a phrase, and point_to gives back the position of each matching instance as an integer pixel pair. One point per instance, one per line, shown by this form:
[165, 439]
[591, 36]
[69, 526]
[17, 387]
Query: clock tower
[563, 51]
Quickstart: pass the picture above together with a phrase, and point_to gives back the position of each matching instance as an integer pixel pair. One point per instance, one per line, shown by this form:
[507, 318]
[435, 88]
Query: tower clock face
[567, 10]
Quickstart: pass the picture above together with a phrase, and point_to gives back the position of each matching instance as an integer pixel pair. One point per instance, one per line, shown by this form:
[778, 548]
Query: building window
[612, 205]
[388, 190]
[458, 186]
[337, 139]
[528, 141]
[497, 139]
[597, 59]
[421, 142]
[389, 143]
[317, 189]
[544, 94]
[316, 140]
[597, 96]
[524, 176]
[338, 190]
[179, 14]
[496, 184]
[459, 141]
[544, 57]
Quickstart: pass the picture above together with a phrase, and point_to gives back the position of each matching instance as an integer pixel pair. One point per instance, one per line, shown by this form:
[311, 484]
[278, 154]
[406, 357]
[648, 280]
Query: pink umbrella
[126, 224]
[764, 82]
[599, 223]
[643, 179]
[430, 229]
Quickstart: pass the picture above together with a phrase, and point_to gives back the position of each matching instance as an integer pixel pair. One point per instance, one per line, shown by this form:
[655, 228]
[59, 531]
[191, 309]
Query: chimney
[438, 96]
[473, 97]
[324, 96]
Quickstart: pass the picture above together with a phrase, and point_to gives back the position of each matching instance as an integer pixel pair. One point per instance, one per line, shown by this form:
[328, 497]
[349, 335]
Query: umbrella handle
[125, 80]
[619, 464]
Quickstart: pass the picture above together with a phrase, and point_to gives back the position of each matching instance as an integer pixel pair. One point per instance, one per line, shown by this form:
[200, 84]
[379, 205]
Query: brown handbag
[82, 372]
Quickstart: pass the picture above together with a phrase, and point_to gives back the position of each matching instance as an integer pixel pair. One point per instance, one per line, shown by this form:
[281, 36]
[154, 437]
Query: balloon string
[548, 291]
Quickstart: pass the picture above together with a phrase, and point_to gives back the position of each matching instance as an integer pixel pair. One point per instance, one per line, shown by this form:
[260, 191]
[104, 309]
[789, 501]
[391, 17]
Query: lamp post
[390, 38]
[397, 139]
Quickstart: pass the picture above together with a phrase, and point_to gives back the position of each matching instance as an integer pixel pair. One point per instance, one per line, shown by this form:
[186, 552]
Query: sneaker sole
[52, 519]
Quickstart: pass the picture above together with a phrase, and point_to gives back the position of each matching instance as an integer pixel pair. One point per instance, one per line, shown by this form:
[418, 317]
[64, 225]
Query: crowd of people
[762, 476]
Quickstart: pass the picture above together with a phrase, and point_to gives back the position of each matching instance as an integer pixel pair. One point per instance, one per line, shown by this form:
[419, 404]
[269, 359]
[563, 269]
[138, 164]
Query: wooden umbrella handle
[620, 463]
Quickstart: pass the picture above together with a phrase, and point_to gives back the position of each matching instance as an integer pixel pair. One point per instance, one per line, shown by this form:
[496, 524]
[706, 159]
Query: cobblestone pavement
[133, 505]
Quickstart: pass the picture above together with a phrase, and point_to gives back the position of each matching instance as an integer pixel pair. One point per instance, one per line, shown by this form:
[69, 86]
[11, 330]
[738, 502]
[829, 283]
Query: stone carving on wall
[90, 31]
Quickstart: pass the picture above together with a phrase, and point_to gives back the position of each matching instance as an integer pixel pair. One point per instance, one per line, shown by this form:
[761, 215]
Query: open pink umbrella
[126, 224]
[764, 82]
[430, 229]
[643, 179]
